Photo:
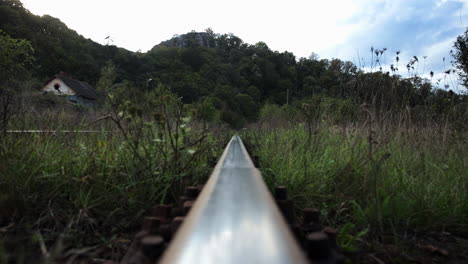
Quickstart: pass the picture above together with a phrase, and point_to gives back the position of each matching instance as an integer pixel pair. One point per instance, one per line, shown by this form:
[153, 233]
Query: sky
[345, 29]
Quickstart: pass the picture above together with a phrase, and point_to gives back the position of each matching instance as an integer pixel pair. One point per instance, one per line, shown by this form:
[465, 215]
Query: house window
[57, 86]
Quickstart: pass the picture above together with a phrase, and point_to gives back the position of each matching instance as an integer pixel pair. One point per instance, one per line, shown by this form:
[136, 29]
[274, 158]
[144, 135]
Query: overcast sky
[344, 29]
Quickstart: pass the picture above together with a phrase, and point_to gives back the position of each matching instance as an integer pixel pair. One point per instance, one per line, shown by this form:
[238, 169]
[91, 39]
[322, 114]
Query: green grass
[82, 190]
[63, 192]
[411, 180]
[72, 191]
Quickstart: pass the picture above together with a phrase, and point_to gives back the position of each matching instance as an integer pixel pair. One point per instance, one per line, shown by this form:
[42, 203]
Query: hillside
[58, 48]
[220, 70]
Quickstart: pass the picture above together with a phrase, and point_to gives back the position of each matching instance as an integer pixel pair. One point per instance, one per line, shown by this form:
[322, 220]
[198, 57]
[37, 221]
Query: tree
[247, 106]
[461, 56]
[15, 57]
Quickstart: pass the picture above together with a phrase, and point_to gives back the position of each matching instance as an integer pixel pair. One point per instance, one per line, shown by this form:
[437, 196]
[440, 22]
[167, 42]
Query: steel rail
[234, 219]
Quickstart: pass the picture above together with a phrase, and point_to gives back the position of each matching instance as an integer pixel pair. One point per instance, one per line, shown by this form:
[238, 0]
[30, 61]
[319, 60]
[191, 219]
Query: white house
[74, 90]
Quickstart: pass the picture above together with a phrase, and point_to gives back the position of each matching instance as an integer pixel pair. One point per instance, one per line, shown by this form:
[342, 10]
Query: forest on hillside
[230, 78]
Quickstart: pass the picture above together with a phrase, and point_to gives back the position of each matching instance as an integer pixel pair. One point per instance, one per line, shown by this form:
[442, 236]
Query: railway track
[233, 218]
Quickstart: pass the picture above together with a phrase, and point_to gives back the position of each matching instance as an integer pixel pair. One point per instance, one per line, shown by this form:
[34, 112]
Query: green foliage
[206, 110]
[246, 106]
[16, 55]
[274, 115]
[348, 242]
[107, 79]
[461, 56]
[386, 179]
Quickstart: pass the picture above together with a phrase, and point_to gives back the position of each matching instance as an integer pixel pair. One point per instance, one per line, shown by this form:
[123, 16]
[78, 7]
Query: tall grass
[391, 180]
[84, 189]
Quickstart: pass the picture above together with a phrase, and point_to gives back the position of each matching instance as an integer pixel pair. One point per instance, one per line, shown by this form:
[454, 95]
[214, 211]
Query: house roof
[81, 88]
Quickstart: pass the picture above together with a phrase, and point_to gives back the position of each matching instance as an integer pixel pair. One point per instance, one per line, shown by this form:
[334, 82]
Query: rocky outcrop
[191, 39]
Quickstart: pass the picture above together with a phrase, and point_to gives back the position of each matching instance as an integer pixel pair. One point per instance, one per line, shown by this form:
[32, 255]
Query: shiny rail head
[234, 219]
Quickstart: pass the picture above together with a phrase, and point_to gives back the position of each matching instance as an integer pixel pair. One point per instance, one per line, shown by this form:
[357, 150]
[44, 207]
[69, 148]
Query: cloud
[414, 27]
